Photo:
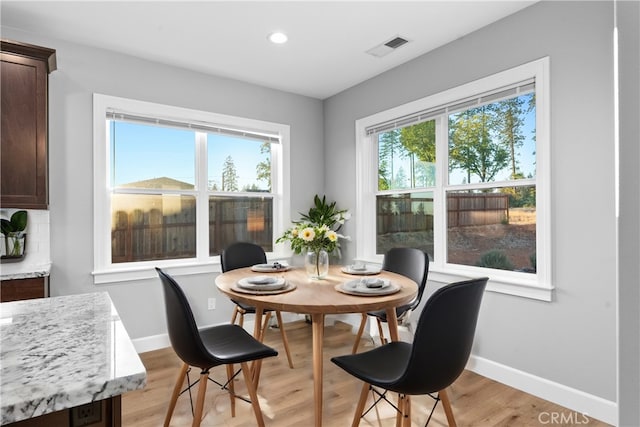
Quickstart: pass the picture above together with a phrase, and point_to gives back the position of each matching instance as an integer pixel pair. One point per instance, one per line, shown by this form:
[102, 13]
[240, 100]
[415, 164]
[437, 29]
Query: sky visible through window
[245, 154]
[142, 152]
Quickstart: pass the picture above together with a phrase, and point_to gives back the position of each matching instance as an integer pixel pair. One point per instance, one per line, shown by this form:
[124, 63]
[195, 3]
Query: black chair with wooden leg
[245, 254]
[436, 358]
[409, 262]
[208, 348]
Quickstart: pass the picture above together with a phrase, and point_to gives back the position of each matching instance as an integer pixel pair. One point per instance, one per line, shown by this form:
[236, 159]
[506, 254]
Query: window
[173, 187]
[463, 175]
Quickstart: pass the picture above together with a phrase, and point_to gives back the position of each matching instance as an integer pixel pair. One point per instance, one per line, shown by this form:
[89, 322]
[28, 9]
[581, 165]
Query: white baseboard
[154, 342]
[575, 400]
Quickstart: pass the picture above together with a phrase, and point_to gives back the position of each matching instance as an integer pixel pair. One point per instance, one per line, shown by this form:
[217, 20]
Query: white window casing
[494, 87]
[105, 106]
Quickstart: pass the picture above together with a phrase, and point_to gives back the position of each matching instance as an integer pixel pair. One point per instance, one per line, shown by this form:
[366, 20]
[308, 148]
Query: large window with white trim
[463, 175]
[175, 186]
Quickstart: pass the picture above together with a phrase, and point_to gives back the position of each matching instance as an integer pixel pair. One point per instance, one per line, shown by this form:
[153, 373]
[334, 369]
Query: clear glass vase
[14, 244]
[317, 264]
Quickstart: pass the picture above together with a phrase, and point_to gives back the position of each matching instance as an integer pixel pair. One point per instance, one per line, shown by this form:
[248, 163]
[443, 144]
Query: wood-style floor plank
[286, 395]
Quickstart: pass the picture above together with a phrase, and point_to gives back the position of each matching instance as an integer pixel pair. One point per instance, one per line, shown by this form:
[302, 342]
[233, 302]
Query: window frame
[537, 286]
[104, 271]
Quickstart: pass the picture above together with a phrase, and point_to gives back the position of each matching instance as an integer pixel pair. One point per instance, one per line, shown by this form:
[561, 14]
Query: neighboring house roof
[162, 182]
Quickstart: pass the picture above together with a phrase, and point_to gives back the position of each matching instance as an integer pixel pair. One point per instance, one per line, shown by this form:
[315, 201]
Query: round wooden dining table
[319, 298]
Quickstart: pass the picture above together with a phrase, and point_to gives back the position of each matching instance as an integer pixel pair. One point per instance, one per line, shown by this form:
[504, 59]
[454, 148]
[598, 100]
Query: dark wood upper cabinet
[23, 150]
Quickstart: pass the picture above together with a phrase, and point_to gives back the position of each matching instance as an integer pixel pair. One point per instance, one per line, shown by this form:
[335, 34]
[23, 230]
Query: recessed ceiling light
[277, 37]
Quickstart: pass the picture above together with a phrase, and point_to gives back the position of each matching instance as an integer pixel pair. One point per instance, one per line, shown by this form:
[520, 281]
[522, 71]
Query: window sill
[508, 283]
[139, 272]
[503, 282]
[146, 270]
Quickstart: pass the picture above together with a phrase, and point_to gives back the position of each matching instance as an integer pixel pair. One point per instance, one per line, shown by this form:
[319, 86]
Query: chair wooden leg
[265, 325]
[257, 334]
[256, 366]
[202, 391]
[285, 341]
[407, 411]
[175, 394]
[232, 393]
[383, 340]
[446, 404]
[363, 322]
[361, 402]
[235, 315]
[401, 409]
[253, 394]
[403, 416]
[241, 322]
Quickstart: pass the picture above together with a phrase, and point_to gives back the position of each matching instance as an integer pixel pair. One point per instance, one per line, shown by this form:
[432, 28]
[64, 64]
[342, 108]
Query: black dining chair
[436, 358]
[409, 262]
[245, 254]
[206, 349]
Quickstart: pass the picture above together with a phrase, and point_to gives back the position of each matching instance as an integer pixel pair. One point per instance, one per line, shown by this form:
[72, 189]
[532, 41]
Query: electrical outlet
[85, 415]
[211, 304]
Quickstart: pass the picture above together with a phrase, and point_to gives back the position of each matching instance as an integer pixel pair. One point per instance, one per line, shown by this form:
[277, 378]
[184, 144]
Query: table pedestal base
[317, 325]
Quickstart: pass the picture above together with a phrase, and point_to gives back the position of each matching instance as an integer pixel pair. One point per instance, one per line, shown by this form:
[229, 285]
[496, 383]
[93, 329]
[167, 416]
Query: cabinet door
[21, 289]
[24, 132]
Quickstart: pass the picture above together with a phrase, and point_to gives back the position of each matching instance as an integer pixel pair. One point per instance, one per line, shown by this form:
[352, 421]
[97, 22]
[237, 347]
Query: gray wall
[572, 340]
[628, 15]
[83, 71]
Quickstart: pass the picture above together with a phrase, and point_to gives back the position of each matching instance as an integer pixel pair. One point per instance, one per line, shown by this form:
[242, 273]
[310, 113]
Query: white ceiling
[327, 39]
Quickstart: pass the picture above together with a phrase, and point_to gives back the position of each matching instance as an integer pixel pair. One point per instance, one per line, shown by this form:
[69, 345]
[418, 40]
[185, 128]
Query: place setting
[370, 286]
[273, 267]
[264, 285]
[360, 268]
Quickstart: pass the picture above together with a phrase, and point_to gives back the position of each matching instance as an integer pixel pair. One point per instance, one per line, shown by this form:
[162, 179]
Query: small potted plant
[14, 235]
[316, 234]
[323, 213]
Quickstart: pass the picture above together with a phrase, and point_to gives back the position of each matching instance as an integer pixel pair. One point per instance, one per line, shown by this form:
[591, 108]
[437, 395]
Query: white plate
[359, 287]
[270, 268]
[261, 280]
[288, 286]
[259, 283]
[368, 270]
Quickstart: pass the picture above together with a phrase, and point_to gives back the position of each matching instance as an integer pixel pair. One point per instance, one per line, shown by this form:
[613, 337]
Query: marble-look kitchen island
[63, 353]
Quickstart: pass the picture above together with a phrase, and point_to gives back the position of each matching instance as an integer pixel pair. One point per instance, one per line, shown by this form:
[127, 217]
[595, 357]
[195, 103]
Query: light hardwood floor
[286, 395]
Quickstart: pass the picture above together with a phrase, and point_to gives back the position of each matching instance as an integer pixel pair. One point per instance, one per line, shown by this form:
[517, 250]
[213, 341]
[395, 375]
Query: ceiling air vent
[387, 47]
[396, 42]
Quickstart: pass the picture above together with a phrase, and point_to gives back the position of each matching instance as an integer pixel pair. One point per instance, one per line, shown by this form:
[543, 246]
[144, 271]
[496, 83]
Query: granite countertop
[19, 270]
[61, 352]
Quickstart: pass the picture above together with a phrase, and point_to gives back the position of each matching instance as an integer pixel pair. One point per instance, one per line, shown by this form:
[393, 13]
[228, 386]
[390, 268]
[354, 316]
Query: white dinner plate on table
[366, 270]
[262, 283]
[362, 287]
[274, 267]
